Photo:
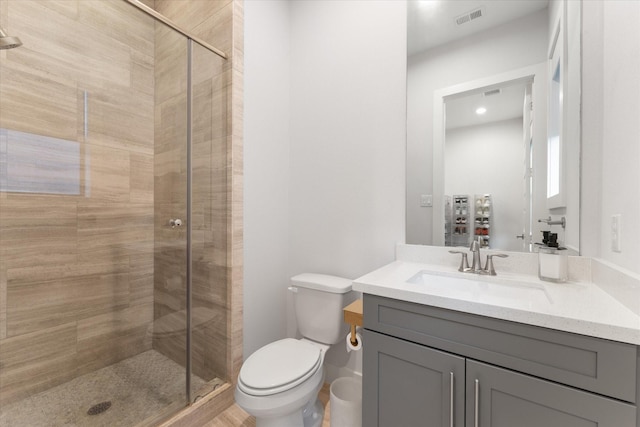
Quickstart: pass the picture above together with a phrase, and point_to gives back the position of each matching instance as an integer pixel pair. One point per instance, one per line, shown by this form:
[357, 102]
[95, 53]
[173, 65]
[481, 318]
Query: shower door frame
[189, 168]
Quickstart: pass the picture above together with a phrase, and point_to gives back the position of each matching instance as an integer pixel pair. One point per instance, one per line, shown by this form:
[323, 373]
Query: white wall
[511, 46]
[611, 129]
[571, 125]
[591, 150]
[348, 134]
[324, 148]
[266, 171]
[473, 154]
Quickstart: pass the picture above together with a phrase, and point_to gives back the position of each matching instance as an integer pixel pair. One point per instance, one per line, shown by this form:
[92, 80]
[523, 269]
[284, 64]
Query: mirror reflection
[479, 80]
[486, 184]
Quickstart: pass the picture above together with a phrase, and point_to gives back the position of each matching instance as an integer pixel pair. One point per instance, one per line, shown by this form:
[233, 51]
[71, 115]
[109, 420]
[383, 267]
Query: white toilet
[279, 383]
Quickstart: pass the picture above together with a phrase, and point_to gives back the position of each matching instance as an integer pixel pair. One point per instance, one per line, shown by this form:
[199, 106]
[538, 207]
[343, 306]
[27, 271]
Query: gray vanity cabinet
[510, 399]
[414, 385]
[426, 366]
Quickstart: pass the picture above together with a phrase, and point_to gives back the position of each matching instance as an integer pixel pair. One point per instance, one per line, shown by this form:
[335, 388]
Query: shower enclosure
[113, 215]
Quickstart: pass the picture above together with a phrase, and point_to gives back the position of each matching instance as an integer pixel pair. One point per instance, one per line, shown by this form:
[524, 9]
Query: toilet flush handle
[293, 289]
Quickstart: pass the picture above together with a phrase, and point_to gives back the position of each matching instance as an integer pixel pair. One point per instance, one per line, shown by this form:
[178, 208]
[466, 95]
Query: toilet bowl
[279, 383]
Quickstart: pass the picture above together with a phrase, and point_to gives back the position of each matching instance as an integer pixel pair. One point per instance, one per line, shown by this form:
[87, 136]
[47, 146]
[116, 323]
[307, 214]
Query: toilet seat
[279, 366]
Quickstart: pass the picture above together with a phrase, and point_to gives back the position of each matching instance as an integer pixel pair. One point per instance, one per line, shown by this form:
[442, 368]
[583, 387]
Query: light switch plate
[426, 200]
[616, 230]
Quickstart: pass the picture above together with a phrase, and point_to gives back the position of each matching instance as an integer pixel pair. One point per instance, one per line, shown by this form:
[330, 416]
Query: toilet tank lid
[322, 282]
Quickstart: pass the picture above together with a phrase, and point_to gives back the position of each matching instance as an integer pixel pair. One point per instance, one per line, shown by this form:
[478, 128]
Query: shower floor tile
[139, 388]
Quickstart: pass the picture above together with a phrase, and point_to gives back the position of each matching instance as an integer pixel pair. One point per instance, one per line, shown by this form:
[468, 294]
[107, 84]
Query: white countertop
[582, 308]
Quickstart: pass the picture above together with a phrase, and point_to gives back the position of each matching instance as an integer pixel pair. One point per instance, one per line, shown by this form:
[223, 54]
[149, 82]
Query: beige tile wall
[76, 270]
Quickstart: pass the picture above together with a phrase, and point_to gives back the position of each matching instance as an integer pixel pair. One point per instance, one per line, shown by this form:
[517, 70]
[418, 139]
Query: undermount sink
[480, 287]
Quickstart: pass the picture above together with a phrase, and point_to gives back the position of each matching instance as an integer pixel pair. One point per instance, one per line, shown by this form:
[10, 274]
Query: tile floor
[234, 416]
[141, 390]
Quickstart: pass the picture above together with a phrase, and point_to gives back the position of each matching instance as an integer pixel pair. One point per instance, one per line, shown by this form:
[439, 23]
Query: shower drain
[99, 408]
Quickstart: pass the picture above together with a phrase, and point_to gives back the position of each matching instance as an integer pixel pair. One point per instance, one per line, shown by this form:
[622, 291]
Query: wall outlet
[426, 200]
[616, 230]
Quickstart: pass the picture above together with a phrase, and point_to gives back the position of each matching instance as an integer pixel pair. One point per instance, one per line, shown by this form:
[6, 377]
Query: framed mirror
[466, 49]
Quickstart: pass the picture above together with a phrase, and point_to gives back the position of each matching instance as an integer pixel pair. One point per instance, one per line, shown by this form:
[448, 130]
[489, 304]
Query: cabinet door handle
[451, 399]
[477, 409]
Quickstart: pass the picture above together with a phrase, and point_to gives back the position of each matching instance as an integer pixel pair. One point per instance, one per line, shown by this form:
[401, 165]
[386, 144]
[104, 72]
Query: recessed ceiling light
[428, 5]
[480, 111]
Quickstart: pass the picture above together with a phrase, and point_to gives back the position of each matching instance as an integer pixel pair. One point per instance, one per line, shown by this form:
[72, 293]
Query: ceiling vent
[492, 92]
[469, 16]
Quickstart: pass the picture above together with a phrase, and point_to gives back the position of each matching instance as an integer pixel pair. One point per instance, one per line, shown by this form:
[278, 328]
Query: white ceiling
[433, 22]
[508, 104]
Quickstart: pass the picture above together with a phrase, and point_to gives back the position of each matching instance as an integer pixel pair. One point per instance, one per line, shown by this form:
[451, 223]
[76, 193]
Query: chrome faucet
[464, 263]
[476, 264]
[488, 266]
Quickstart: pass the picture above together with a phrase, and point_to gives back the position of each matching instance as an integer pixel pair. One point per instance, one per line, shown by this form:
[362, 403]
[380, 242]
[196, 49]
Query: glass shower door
[172, 222]
[208, 342]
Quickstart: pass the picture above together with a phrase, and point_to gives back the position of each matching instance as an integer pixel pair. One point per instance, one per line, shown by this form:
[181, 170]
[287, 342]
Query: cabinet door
[500, 398]
[409, 385]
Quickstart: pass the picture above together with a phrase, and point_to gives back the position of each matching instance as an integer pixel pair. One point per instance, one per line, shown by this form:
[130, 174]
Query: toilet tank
[319, 300]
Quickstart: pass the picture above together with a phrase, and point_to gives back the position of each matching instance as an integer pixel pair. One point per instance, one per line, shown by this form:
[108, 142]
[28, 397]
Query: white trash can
[346, 402]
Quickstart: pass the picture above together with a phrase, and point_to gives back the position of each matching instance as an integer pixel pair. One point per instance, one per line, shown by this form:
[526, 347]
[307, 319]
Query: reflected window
[32, 163]
[553, 143]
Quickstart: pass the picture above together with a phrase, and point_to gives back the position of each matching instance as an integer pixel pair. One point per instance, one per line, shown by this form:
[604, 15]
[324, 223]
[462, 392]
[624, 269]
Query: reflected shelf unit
[460, 220]
[483, 209]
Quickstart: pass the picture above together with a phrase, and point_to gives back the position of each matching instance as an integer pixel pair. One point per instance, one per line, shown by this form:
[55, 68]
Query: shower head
[8, 42]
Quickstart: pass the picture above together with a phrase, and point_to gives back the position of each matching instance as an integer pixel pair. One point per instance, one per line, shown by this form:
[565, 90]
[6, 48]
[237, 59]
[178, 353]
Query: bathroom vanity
[445, 350]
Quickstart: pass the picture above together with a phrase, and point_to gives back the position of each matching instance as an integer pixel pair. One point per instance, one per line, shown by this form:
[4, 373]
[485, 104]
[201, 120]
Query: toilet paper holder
[353, 316]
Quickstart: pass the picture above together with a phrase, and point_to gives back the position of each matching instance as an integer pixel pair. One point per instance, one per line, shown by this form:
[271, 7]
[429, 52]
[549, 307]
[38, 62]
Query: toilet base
[310, 416]
[313, 414]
